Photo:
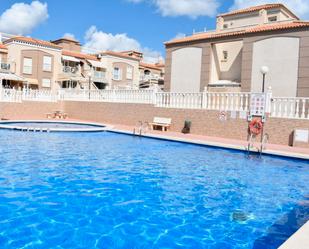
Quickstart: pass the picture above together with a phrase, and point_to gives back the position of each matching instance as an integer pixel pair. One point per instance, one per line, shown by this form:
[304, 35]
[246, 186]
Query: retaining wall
[204, 122]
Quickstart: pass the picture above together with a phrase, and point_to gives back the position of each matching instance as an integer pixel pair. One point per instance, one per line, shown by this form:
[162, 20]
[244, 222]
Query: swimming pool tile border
[234, 147]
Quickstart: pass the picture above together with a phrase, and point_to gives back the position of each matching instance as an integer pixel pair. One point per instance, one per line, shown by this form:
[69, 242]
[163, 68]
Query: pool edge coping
[99, 126]
[298, 240]
[242, 148]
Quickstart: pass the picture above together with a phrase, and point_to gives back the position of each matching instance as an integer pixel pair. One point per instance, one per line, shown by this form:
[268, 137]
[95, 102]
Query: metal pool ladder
[250, 143]
[264, 142]
[141, 128]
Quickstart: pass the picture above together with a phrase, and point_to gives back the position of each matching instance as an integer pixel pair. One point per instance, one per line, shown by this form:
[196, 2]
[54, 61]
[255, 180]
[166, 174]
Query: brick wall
[28, 109]
[203, 122]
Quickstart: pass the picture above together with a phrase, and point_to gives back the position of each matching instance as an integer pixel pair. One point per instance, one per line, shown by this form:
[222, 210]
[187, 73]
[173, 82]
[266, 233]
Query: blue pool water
[106, 190]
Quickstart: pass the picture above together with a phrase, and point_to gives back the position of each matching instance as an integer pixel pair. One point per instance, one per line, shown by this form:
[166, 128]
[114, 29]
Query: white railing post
[268, 100]
[154, 96]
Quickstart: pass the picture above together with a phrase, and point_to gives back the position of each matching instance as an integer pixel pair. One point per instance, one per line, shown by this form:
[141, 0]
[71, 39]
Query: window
[47, 63]
[46, 83]
[225, 26]
[272, 19]
[225, 55]
[117, 73]
[129, 73]
[27, 66]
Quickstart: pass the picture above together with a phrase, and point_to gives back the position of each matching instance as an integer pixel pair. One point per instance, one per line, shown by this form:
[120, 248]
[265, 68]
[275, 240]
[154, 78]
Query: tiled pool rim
[239, 148]
[97, 127]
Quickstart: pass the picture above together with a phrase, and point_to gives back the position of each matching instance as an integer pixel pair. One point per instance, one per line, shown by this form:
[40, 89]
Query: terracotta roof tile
[257, 8]
[251, 30]
[2, 46]
[148, 65]
[79, 55]
[119, 54]
[33, 41]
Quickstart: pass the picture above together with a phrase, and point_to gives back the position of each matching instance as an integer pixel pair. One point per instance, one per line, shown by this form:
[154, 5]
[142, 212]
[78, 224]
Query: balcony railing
[70, 70]
[150, 77]
[99, 75]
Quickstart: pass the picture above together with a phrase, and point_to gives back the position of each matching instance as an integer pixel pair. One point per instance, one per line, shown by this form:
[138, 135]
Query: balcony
[70, 70]
[5, 67]
[150, 78]
[99, 76]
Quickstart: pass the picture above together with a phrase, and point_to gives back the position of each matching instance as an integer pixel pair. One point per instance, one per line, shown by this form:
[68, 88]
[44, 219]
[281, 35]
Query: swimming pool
[107, 190]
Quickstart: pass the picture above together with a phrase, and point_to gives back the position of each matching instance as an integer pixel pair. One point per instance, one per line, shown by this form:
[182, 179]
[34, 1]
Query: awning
[70, 58]
[96, 63]
[32, 81]
[11, 76]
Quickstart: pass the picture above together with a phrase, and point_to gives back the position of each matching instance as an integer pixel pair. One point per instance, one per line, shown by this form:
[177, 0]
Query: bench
[163, 123]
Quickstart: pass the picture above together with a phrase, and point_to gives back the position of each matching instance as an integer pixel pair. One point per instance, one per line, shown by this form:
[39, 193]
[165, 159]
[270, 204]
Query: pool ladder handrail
[264, 142]
[250, 143]
[141, 128]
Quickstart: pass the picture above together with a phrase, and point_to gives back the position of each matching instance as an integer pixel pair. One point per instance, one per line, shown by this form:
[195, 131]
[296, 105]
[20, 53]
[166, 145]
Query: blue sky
[120, 24]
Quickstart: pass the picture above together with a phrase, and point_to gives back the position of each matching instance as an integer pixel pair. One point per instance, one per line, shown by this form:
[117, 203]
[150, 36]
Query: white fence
[204, 100]
[12, 95]
[120, 96]
[295, 108]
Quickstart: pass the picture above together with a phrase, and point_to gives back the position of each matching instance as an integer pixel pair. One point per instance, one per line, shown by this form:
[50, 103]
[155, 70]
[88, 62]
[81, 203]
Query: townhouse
[37, 64]
[267, 41]
[151, 75]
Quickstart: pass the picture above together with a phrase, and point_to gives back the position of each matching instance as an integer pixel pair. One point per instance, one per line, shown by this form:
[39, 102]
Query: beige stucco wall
[186, 69]
[247, 56]
[253, 18]
[229, 69]
[281, 56]
[3, 56]
[110, 62]
[16, 52]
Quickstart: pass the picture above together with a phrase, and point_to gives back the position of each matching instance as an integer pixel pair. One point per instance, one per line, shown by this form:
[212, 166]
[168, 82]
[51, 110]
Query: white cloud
[69, 36]
[300, 7]
[22, 18]
[191, 8]
[179, 35]
[96, 40]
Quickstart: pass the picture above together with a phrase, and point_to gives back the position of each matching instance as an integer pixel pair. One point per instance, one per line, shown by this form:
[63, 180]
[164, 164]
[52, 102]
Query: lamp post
[89, 85]
[264, 71]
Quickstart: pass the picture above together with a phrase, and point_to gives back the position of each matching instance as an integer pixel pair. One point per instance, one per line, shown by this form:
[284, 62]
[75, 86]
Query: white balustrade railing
[39, 95]
[120, 96]
[294, 108]
[204, 100]
[297, 108]
[10, 95]
[179, 100]
[238, 101]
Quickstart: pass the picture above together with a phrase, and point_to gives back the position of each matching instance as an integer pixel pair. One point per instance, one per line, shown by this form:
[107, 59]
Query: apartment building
[151, 75]
[79, 70]
[231, 57]
[122, 70]
[30, 63]
[38, 64]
